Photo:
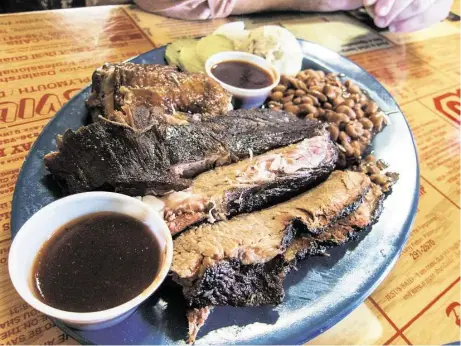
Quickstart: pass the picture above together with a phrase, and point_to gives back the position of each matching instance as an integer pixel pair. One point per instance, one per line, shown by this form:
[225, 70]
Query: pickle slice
[190, 61]
[174, 49]
[213, 44]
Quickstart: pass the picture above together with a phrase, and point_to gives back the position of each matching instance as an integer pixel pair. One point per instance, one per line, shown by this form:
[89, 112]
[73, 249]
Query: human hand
[408, 15]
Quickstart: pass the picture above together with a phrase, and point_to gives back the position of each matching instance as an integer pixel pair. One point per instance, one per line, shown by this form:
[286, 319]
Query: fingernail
[369, 2]
[383, 11]
[381, 22]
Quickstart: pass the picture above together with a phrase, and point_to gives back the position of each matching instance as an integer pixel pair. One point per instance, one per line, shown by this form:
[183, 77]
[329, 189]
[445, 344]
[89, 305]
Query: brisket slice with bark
[337, 234]
[115, 157]
[224, 263]
[125, 87]
[252, 184]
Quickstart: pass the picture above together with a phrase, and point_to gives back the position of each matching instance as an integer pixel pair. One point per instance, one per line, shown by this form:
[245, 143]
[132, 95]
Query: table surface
[46, 57]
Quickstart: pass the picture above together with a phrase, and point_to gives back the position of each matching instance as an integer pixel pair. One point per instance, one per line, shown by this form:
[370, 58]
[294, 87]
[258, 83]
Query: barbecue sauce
[96, 262]
[242, 74]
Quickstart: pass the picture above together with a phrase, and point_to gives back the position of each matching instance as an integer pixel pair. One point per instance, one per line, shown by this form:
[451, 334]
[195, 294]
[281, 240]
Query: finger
[371, 12]
[383, 7]
[414, 9]
[436, 13]
[396, 9]
[369, 2]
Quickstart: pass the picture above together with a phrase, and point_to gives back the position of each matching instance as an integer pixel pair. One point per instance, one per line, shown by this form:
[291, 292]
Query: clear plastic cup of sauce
[248, 77]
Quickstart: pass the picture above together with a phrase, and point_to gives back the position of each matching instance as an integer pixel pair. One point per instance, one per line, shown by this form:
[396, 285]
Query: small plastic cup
[244, 98]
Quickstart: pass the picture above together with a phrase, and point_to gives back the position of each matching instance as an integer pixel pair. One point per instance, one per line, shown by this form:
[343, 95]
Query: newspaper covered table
[47, 57]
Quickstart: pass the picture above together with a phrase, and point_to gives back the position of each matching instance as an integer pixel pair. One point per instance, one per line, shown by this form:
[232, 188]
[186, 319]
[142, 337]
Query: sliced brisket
[261, 283]
[212, 262]
[220, 140]
[252, 184]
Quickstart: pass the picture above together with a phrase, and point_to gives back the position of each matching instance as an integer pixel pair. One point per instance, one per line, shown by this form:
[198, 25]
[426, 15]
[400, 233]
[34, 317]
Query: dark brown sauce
[242, 74]
[96, 262]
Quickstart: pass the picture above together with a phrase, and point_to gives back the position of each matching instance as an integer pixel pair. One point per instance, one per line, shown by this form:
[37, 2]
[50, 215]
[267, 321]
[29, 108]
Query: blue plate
[323, 290]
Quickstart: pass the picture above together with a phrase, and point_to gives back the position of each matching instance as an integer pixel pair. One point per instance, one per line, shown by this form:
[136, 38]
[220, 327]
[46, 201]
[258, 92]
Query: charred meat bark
[106, 156]
[210, 261]
[125, 87]
[115, 157]
[252, 184]
[236, 284]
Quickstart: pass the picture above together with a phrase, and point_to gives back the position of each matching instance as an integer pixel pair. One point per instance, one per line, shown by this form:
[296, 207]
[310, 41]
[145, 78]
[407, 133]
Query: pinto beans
[346, 110]
[318, 95]
[343, 137]
[276, 96]
[334, 132]
[280, 87]
[366, 123]
[336, 118]
[370, 108]
[378, 121]
[352, 117]
[329, 92]
[354, 130]
[288, 98]
[338, 100]
[310, 109]
[307, 100]
[292, 108]
[354, 89]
